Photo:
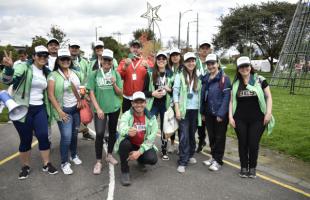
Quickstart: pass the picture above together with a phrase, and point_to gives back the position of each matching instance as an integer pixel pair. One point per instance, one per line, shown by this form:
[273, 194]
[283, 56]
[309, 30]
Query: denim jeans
[161, 111]
[69, 131]
[187, 128]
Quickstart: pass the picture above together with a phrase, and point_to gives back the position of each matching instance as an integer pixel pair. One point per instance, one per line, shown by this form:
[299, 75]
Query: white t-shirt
[51, 62]
[38, 85]
[69, 99]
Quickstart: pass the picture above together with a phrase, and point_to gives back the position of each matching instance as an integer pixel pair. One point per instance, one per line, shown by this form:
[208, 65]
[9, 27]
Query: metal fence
[295, 84]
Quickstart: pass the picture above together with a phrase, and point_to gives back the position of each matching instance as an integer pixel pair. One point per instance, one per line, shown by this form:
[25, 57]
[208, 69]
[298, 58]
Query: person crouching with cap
[249, 113]
[215, 95]
[63, 84]
[157, 89]
[186, 97]
[29, 84]
[106, 88]
[137, 133]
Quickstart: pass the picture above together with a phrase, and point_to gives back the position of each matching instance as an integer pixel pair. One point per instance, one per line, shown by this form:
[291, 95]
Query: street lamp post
[96, 30]
[180, 17]
[187, 40]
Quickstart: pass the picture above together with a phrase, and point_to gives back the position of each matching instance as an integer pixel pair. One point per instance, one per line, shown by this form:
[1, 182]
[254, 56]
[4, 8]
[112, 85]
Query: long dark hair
[57, 66]
[171, 63]
[194, 76]
[155, 73]
[239, 77]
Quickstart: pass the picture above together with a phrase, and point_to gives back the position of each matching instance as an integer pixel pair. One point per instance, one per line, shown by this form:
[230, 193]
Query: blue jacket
[215, 95]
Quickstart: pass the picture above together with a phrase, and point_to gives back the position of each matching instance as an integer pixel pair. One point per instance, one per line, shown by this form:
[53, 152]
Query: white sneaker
[172, 148]
[181, 169]
[208, 162]
[192, 160]
[76, 160]
[111, 159]
[215, 166]
[66, 168]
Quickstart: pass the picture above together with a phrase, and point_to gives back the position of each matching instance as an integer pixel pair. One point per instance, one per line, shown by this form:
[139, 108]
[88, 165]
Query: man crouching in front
[137, 132]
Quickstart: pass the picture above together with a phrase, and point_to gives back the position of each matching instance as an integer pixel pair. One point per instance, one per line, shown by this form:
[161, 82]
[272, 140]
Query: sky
[20, 20]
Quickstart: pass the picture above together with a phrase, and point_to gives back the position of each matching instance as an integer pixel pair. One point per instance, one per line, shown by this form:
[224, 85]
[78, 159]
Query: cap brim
[108, 57]
[55, 41]
[243, 64]
[99, 46]
[74, 45]
[139, 99]
[203, 44]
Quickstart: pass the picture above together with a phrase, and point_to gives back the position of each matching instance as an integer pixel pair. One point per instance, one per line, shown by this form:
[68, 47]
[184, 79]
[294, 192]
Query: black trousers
[148, 157]
[202, 133]
[217, 137]
[100, 126]
[249, 135]
[126, 105]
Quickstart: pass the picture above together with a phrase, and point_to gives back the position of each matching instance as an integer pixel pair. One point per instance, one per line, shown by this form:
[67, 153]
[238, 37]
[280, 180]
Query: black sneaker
[49, 168]
[24, 173]
[200, 146]
[87, 136]
[125, 179]
[252, 173]
[243, 173]
[165, 156]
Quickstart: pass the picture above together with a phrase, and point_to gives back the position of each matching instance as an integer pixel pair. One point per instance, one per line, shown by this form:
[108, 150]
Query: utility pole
[187, 38]
[180, 17]
[197, 33]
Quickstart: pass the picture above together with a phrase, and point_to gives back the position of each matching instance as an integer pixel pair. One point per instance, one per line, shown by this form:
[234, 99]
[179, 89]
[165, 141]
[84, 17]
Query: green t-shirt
[100, 83]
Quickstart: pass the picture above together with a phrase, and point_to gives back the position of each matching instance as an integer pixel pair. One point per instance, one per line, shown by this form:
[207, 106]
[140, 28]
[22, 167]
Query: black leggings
[249, 135]
[148, 157]
[100, 130]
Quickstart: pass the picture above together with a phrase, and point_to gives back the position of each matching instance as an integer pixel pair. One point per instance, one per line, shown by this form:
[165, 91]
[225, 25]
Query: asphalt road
[160, 181]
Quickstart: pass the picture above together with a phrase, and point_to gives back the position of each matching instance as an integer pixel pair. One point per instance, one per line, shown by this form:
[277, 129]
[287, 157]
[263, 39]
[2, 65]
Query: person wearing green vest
[95, 61]
[186, 97]
[106, 88]
[249, 113]
[63, 85]
[176, 65]
[29, 85]
[81, 65]
[137, 133]
[157, 89]
[205, 48]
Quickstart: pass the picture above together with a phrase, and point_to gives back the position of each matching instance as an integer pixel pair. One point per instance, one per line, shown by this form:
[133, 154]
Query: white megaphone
[16, 112]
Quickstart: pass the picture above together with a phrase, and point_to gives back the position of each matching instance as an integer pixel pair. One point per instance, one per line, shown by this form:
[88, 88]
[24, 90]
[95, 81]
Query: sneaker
[111, 159]
[24, 173]
[66, 168]
[76, 160]
[200, 146]
[181, 169]
[83, 129]
[97, 168]
[49, 168]
[125, 179]
[243, 173]
[165, 157]
[192, 160]
[172, 148]
[252, 173]
[208, 162]
[215, 166]
[87, 136]
[142, 167]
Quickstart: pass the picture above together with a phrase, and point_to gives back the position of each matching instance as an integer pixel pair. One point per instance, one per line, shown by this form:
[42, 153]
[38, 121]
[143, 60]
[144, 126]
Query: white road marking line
[111, 173]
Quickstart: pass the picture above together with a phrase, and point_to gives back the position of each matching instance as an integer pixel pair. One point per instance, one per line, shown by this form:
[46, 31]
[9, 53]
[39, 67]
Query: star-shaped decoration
[151, 13]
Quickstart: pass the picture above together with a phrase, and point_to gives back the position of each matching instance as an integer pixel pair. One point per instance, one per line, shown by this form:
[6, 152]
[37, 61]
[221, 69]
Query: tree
[8, 48]
[264, 25]
[139, 32]
[119, 50]
[36, 41]
[173, 42]
[58, 33]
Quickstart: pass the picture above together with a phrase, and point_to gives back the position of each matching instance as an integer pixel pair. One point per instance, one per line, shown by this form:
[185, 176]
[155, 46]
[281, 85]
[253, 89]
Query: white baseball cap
[74, 43]
[107, 53]
[243, 60]
[40, 49]
[175, 50]
[161, 53]
[211, 58]
[138, 95]
[99, 43]
[52, 40]
[189, 55]
[205, 42]
[64, 53]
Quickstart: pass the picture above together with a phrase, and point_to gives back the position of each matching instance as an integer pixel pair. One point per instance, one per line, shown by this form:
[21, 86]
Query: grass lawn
[291, 134]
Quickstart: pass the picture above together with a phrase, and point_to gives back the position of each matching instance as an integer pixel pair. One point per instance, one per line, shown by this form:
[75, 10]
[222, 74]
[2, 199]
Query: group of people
[138, 89]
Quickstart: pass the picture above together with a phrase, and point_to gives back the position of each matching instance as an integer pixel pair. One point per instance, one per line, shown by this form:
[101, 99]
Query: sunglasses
[44, 55]
[211, 63]
[107, 59]
[64, 59]
[244, 66]
[161, 58]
